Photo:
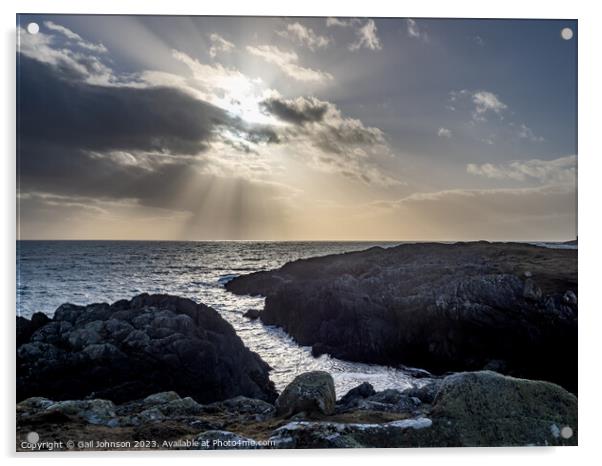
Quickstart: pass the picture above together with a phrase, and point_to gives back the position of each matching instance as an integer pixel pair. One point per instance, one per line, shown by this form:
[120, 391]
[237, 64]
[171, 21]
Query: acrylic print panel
[264, 232]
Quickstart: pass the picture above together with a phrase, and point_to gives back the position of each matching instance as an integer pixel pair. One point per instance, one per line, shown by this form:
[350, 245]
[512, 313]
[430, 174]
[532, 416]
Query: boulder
[442, 307]
[364, 390]
[309, 393]
[489, 409]
[252, 314]
[131, 349]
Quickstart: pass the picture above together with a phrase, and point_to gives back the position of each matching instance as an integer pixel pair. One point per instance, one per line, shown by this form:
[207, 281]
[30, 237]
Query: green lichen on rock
[488, 409]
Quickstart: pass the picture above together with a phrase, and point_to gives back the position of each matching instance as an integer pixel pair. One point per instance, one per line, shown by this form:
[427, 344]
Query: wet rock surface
[134, 348]
[511, 307]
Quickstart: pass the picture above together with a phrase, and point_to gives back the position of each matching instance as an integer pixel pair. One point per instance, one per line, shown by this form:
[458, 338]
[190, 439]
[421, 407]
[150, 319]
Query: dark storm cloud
[322, 123]
[57, 109]
[298, 111]
[68, 130]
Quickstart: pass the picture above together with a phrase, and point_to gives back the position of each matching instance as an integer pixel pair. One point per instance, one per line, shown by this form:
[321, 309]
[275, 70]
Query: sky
[250, 128]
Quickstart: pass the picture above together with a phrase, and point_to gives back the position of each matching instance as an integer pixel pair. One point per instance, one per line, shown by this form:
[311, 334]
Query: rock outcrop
[131, 349]
[511, 307]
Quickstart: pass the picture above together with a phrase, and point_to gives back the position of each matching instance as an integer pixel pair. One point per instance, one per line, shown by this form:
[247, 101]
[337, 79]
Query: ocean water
[50, 273]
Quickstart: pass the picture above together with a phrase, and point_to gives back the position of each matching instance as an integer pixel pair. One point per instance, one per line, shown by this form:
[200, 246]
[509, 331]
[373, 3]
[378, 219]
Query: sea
[50, 273]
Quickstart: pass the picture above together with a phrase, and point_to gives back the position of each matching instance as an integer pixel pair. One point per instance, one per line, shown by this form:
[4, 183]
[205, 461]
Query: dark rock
[443, 307]
[249, 408]
[127, 351]
[364, 390]
[26, 327]
[425, 393]
[309, 393]
[252, 314]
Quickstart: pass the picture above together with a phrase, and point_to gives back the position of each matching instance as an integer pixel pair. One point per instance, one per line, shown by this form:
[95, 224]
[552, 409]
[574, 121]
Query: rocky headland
[509, 307]
[134, 348]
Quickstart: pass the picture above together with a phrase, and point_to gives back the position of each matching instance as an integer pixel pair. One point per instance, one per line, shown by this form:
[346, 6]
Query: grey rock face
[133, 348]
[442, 307]
[488, 409]
[310, 392]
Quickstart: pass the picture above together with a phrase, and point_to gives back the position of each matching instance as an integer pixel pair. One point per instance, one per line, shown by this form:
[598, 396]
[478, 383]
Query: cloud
[116, 142]
[336, 143]
[558, 171]
[414, 31]
[366, 37]
[77, 64]
[303, 35]
[297, 111]
[341, 22]
[366, 34]
[219, 44]
[444, 133]
[483, 103]
[75, 38]
[215, 82]
[288, 63]
[524, 132]
[486, 101]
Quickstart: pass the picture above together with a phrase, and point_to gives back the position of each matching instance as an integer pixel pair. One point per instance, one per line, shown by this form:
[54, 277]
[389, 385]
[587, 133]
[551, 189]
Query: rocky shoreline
[510, 307]
[164, 372]
[464, 409]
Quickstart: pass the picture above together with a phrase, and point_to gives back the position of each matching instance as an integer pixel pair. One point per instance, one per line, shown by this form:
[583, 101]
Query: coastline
[419, 415]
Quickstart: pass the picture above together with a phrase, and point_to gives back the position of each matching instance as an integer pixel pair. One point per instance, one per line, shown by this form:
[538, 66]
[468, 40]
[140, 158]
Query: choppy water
[50, 273]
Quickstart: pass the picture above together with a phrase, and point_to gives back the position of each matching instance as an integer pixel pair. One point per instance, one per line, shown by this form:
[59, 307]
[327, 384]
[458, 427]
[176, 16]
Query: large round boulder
[488, 409]
[310, 393]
